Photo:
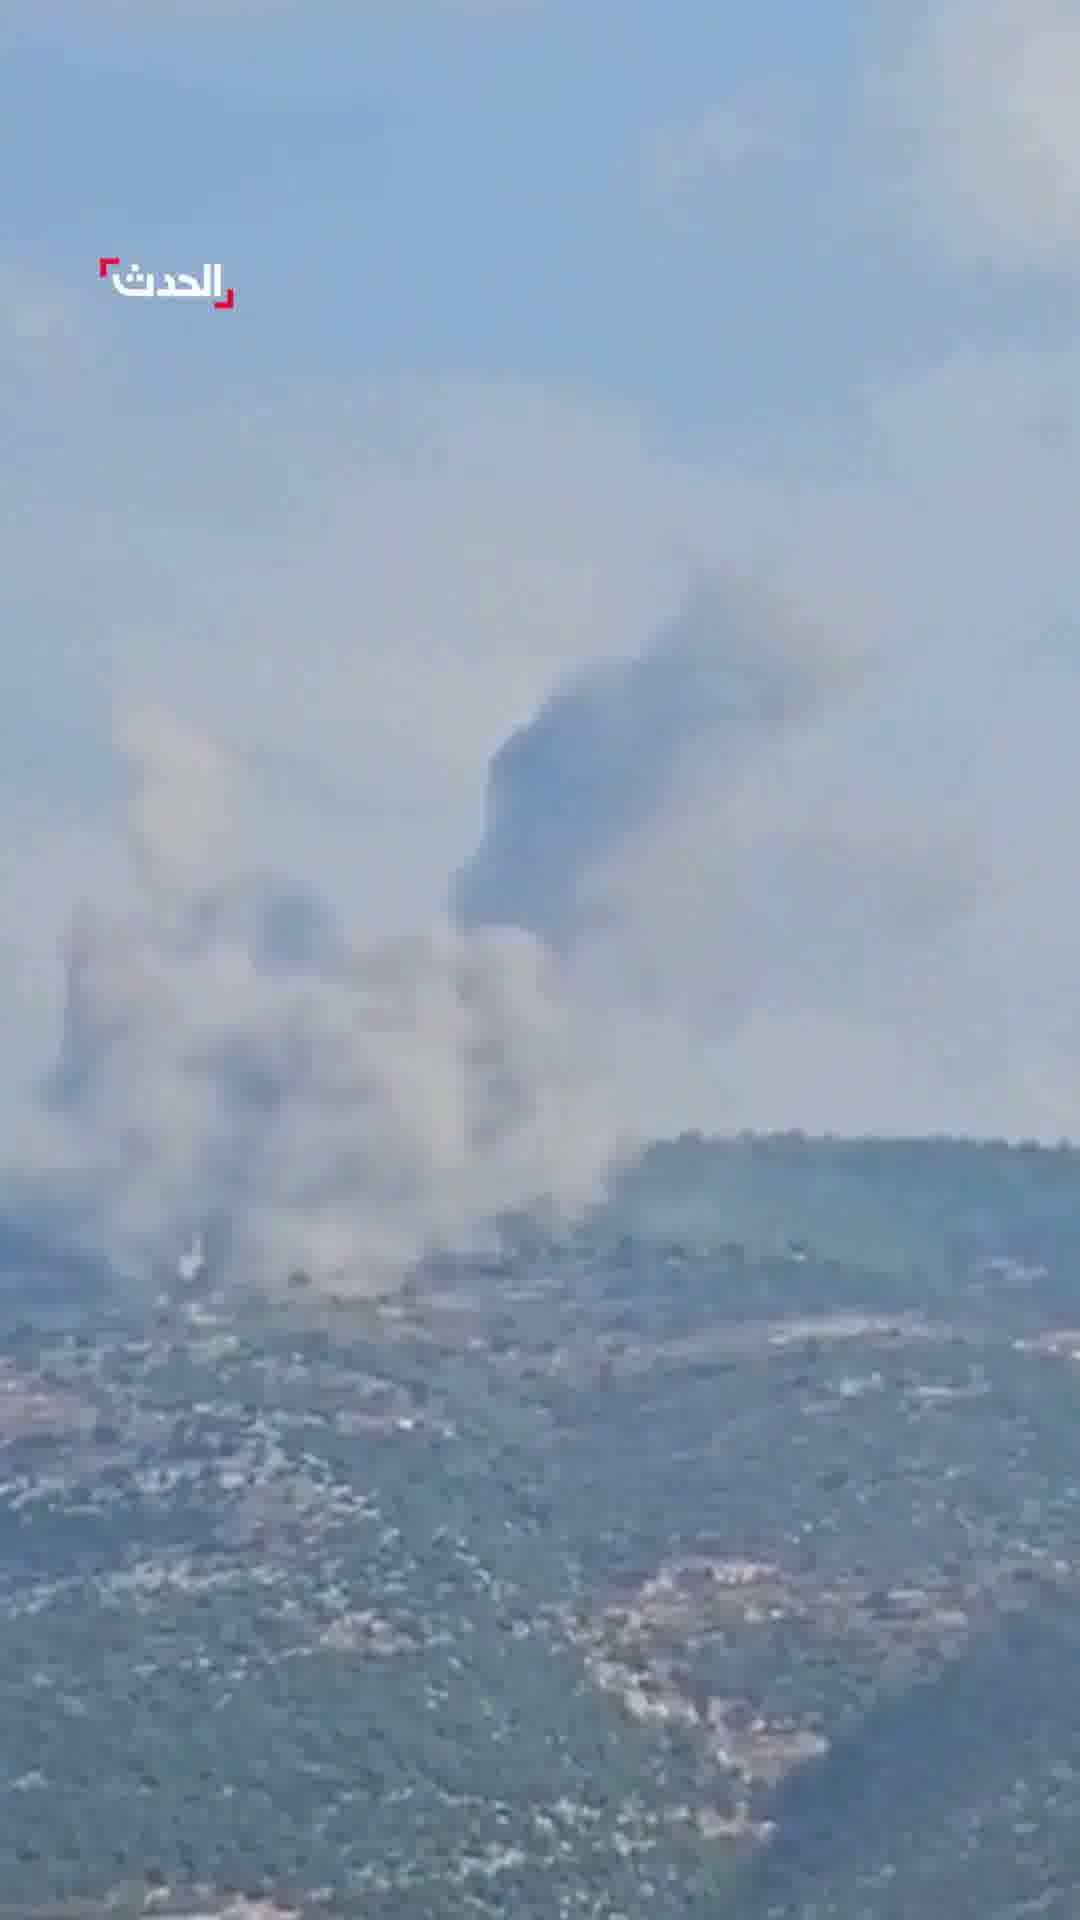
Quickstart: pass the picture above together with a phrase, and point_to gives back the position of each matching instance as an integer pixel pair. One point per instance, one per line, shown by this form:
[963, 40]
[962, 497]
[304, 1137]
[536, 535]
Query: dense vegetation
[723, 1558]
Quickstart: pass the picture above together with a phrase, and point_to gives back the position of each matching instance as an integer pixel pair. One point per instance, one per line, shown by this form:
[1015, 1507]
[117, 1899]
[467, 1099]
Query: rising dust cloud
[229, 1057]
[720, 884]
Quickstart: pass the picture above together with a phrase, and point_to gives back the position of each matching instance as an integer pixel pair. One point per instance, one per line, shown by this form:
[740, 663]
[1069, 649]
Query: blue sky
[535, 194]
[545, 310]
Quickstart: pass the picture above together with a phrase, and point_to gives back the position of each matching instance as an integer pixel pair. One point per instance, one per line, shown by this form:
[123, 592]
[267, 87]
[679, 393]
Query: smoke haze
[703, 896]
[794, 884]
[605, 757]
[231, 1058]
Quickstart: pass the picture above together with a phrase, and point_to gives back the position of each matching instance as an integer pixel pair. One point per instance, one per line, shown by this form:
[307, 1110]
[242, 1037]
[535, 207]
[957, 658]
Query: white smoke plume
[231, 1060]
[747, 878]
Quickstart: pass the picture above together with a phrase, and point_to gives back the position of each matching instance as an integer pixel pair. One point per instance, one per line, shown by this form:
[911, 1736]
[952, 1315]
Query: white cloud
[989, 526]
[997, 87]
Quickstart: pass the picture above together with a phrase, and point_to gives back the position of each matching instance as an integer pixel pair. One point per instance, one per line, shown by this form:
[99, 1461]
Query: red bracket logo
[189, 285]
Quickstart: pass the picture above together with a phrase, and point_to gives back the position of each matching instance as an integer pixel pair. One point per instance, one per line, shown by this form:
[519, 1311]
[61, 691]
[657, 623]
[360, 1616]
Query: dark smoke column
[602, 757]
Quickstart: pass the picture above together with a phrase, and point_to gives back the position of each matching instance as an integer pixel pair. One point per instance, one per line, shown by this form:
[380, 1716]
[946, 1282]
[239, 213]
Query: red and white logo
[134, 283]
